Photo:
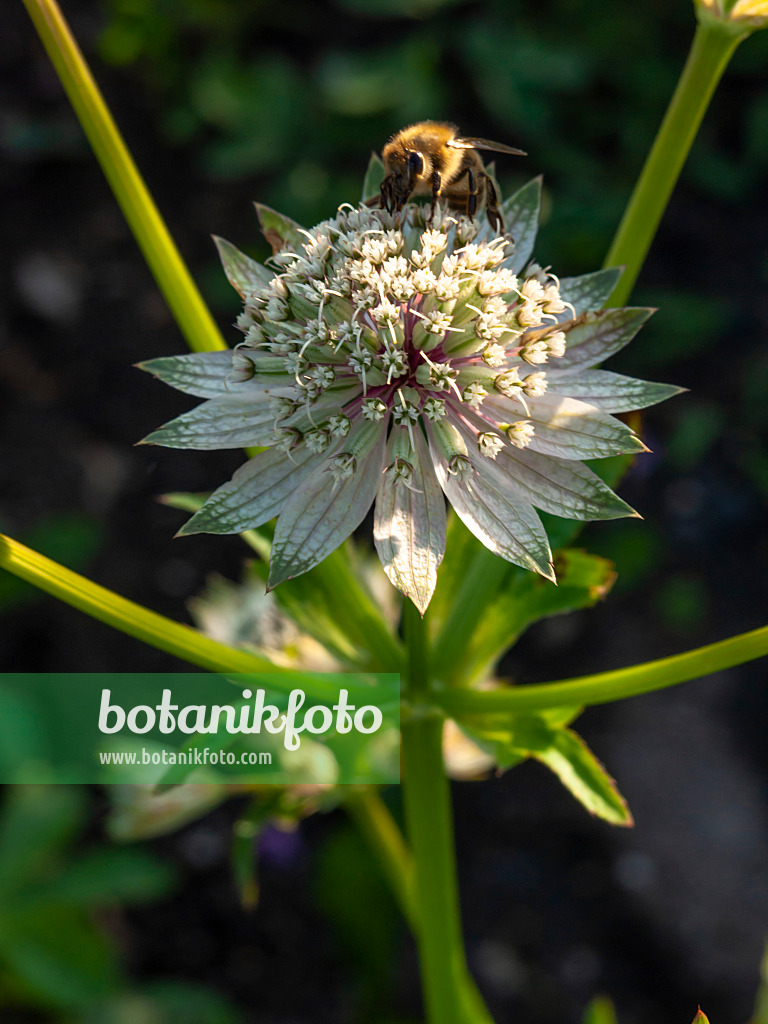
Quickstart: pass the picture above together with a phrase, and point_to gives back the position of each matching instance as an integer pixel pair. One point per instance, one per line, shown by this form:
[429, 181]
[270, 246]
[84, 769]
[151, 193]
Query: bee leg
[472, 194]
[472, 190]
[437, 182]
[492, 207]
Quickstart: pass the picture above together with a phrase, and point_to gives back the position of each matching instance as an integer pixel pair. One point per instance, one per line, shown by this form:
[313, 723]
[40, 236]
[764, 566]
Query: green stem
[144, 220]
[428, 813]
[605, 687]
[712, 48]
[153, 629]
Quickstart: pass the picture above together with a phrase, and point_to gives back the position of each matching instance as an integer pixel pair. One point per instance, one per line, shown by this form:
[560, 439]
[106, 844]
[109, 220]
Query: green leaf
[281, 232]
[701, 1017]
[243, 273]
[57, 952]
[188, 502]
[544, 738]
[37, 822]
[568, 756]
[600, 1011]
[373, 177]
[51, 951]
[521, 221]
[522, 599]
[163, 1003]
[108, 876]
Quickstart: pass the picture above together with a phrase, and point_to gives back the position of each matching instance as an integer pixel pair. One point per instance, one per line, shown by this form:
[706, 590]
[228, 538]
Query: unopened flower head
[391, 363]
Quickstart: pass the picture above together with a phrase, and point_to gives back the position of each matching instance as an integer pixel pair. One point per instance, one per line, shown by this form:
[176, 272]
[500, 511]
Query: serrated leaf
[281, 232]
[563, 751]
[590, 291]
[569, 757]
[373, 178]
[521, 221]
[593, 337]
[243, 273]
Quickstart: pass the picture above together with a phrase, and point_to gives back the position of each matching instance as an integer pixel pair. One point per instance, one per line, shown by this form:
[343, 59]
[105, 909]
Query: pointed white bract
[389, 363]
[409, 524]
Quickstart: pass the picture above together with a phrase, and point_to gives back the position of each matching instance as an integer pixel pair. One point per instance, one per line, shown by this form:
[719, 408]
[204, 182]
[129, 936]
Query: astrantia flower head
[391, 363]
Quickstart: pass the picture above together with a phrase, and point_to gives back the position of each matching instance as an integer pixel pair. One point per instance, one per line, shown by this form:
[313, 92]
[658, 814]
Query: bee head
[405, 167]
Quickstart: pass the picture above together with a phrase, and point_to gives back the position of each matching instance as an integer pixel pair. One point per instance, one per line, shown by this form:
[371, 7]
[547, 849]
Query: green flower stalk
[389, 362]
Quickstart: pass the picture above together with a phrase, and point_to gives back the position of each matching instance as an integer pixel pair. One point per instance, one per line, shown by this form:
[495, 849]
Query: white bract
[391, 364]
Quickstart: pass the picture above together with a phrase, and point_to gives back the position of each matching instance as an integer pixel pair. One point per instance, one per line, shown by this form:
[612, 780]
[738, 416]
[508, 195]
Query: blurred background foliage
[225, 101]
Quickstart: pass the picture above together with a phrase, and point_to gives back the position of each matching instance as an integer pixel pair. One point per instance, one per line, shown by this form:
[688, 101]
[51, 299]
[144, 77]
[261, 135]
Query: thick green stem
[712, 48]
[429, 818]
[144, 220]
[606, 687]
[156, 630]
[435, 895]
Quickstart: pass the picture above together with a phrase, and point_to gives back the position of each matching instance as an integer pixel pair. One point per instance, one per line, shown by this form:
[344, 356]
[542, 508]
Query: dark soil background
[224, 102]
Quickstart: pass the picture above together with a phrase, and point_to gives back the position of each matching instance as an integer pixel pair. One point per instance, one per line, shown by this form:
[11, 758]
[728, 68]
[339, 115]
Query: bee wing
[495, 147]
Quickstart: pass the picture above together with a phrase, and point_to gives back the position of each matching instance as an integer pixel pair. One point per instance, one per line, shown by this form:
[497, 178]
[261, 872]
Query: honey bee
[430, 158]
